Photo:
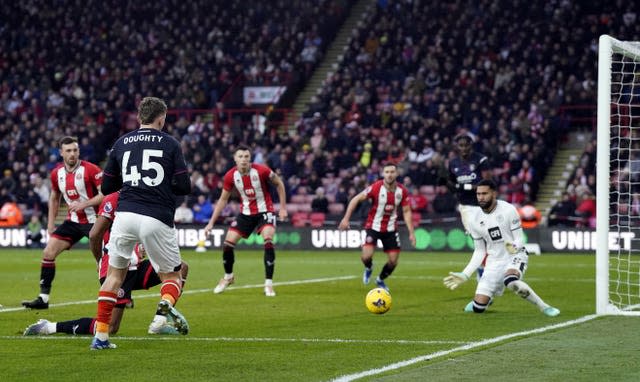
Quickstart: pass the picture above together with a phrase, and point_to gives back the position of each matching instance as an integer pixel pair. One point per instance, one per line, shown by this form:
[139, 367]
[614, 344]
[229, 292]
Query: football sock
[523, 290]
[106, 302]
[269, 259]
[80, 326]
[47, 274]
[170, 291]
[228, 257]
[386, 271]
[368, 263]
[478, 307]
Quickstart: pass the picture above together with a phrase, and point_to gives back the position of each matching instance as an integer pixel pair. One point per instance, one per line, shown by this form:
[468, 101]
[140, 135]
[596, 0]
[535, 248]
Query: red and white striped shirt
[252, 187]
[383, 215]
[79, 185]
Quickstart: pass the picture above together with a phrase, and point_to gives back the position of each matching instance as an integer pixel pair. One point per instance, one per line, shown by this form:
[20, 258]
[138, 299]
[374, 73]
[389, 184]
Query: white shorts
[159, 240]
[465, 213]
[492, 281]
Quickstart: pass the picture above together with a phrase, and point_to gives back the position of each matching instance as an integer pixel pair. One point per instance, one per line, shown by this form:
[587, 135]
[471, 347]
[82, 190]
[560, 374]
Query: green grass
[317, 327]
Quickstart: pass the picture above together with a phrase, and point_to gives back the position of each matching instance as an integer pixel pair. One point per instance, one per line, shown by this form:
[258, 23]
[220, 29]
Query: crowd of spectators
[80, 67]
[415, 74]
[419, 73]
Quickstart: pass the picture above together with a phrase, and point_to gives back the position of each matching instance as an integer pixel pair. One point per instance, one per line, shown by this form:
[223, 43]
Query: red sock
[106, 302]
[170, 291]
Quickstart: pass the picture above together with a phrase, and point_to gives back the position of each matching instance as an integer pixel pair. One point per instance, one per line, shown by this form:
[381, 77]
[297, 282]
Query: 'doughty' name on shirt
[142, 138]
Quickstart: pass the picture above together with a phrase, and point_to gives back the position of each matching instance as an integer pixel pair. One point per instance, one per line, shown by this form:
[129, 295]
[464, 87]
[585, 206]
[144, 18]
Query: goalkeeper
[497, 232]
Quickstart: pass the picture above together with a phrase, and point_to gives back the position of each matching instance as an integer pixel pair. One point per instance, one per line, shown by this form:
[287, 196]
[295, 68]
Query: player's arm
[111, 176]
[180, 182]
[282, 194]
[517, 244]
[408, 220]
[455, 279]
[95, 201]
[54, 206]
[485, 170]
[220, 204]
[353, 204]
[96, 234]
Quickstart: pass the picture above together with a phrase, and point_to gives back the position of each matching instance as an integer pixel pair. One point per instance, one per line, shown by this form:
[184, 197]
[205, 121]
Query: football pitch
[317, 327]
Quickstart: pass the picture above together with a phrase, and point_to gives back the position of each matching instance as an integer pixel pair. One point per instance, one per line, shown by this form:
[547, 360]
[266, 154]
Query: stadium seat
[336, 208]
[317, 219]
[415, 218]
[300, 219]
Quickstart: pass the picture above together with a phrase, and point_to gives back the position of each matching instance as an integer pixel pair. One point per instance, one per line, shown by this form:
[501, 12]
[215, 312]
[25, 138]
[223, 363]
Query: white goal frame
[607, 47]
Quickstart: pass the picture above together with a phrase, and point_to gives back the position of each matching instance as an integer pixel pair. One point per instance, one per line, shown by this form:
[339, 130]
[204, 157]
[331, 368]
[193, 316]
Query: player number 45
[132, 175]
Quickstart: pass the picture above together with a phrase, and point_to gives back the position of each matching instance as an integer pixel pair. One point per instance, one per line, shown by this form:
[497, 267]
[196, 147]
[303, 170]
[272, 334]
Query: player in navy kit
[140, 275]
[148, 168]
[466, 170]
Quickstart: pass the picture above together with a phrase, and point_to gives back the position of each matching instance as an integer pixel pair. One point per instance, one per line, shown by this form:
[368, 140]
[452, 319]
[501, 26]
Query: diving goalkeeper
[497, 232]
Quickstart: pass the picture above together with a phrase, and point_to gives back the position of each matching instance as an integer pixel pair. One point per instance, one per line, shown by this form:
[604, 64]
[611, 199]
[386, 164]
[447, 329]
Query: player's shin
[228, 257]
[269, 259]
[523, 290]
[170, 290]
[106, 302]
[47, 274]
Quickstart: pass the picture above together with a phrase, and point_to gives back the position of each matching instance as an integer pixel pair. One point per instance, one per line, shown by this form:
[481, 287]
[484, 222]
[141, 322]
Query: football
[378, 301]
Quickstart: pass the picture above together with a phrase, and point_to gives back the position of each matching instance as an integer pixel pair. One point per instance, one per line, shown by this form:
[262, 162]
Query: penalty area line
[194, 291]
[468, 346]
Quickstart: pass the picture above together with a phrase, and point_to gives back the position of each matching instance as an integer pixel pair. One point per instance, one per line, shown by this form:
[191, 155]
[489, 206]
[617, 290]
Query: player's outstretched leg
[523, 290]
[39, 328]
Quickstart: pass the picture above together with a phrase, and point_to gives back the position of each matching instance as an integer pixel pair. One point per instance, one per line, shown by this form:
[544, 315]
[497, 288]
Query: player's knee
[228, 246]
[49, 253]
[509, 279]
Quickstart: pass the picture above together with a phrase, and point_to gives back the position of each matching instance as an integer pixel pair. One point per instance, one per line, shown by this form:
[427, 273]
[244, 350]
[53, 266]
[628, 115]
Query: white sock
[268, 282]
[523, 290]
[102, 336]
[45, 297]
[228, 276]
[51, 328]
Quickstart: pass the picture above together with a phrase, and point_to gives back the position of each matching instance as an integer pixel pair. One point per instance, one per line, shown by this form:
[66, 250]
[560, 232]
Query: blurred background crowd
[415, 74]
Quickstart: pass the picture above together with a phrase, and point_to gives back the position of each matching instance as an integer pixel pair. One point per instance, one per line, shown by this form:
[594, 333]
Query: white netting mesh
[624, 224]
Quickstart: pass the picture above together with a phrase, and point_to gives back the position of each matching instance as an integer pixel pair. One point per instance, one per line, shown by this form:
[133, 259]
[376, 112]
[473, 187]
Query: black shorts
[390, 240]
[71, 231]
[245, 224]
[142, 278]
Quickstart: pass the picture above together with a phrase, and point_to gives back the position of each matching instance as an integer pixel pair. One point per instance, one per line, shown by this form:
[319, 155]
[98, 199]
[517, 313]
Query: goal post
[618, 154]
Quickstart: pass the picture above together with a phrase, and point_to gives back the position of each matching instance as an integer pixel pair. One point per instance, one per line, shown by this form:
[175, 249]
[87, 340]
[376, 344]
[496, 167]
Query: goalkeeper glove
[455, 279]
[513, 249]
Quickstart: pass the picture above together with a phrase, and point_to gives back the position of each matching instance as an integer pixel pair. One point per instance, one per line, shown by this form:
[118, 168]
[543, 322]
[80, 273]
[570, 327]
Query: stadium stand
[414, 75]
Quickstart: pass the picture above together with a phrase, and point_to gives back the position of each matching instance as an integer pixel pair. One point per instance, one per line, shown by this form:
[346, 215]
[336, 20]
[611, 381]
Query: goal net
[618, 174]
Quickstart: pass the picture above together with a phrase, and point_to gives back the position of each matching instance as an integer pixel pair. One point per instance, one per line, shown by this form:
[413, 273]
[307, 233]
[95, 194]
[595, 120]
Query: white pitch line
[468, 346]
[247, 339]
[194, 291]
